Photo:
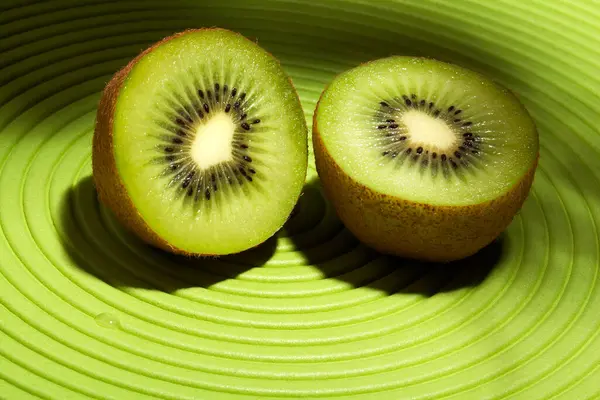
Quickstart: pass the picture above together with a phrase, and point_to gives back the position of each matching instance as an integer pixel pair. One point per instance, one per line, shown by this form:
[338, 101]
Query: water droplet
[108, 320]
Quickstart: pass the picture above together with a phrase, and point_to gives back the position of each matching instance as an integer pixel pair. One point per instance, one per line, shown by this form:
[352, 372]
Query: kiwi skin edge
[409, 229]
[109, 185]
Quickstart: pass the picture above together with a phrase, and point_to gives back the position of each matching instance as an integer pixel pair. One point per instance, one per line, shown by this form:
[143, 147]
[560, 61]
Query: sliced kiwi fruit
[422, 158]
[200, 144]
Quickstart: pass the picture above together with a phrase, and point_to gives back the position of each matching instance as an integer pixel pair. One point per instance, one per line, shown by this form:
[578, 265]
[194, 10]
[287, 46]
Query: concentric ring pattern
[87, 311]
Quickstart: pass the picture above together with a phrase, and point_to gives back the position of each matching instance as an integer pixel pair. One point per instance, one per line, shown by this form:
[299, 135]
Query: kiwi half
[200, 144]
[423, 159]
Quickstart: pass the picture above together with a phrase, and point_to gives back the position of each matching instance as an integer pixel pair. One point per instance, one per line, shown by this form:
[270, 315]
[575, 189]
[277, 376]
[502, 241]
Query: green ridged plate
[87, 311]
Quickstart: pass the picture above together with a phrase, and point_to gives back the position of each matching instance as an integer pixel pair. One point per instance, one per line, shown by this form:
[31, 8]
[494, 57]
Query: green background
[87, 311]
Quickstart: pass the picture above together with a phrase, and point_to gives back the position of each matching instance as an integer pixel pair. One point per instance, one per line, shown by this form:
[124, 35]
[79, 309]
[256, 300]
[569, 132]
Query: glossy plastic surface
[87, 311]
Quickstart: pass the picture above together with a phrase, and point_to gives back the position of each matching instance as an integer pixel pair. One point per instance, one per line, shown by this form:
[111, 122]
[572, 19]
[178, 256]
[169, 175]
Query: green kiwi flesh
[200, 144]
[422, 158]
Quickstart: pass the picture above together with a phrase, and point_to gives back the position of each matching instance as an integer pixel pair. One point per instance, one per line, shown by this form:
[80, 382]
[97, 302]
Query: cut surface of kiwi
[201, 144]
[432, 151]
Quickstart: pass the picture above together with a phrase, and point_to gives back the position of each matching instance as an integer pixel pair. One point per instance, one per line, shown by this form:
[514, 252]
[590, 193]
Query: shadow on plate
[98, 244]
[360, 266]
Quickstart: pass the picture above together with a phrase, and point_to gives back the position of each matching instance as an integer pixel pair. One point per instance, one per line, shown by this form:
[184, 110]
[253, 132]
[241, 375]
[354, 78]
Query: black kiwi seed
[413, 96]
[233, 92]
[174, 166]
[467, 134]
[247, 159]
[246, 126]
[190, 192]
[205, 106]
[419, 150]
[422, 103]
[201, 94]
[256, 121]
[243, 116]
[180, 132]
[177, 141]
[390, 120]
[385, 153]
[242, 96]
[217, 87]
[444, 157]
[434, 155]
[180, 122]
[409, 150]
[208, 94]
[457, 120]
[457, 154]
[468, 123]
[393, 126]
[402, 137]
[228, 108]
[200, 113]
[437, 113]
[252, 171]
[454, 165]
[457, 112]
[225, 88]
[243, 146]
[407, 102]
[248, 178]
[384, 104]
[243, 171]
[382, 127]
[207, 194]
[236, 104]
[451, 108]
[187, 180]
[169, 149]
[431, 104]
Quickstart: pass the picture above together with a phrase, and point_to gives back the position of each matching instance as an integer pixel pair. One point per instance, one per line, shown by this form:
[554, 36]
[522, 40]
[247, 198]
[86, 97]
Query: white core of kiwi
[429, 131]
[213, 141]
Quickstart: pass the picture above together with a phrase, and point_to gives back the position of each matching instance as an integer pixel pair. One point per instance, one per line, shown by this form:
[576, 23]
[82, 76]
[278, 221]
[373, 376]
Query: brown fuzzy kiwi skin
[109, 185]
[414, 230]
